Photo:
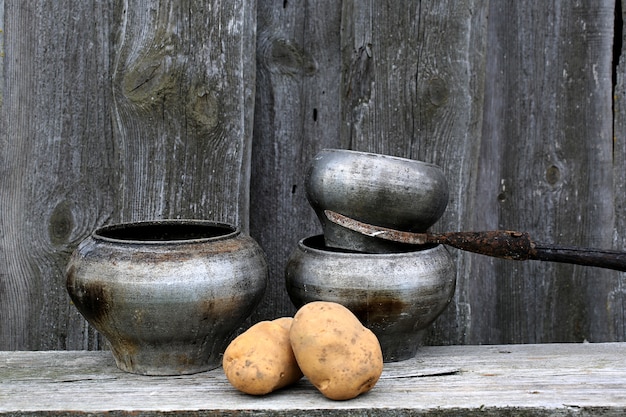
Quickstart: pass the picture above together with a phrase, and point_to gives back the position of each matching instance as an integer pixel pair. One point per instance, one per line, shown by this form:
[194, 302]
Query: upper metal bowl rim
[230, 231]
[378, 155]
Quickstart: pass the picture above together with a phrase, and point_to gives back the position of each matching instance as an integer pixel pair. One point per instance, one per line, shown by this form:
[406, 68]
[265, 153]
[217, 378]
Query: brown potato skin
[285, 322]
[261, 360]
[340, 356]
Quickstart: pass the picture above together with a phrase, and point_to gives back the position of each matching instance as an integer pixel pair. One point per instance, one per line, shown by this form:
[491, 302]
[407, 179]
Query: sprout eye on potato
[324, 341]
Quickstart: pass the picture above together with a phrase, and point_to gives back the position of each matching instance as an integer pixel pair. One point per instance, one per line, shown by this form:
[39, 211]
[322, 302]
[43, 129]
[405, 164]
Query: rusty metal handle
[602, 258]
[499, 243]
[519, 246]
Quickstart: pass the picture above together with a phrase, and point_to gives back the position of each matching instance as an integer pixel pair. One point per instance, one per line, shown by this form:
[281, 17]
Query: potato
[340, 356]
[260, 360]
[285, 322]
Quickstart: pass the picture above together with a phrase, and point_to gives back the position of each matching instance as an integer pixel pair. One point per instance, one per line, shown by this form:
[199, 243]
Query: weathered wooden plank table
[520, 380]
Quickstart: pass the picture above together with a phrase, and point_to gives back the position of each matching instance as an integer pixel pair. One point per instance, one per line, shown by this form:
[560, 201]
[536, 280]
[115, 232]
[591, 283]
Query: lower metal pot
[396, 295]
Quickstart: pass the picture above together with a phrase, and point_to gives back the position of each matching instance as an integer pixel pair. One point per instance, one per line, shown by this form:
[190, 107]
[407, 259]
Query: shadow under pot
[167, 295]
[396, 295]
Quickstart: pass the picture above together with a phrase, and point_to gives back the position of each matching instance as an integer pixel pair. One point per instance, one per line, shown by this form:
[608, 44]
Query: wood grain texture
[55, 164]
[296, 115]
[546, 167]
[125, 111]
[113, 112]
[616, 298]
[183, 79]
[521, 380]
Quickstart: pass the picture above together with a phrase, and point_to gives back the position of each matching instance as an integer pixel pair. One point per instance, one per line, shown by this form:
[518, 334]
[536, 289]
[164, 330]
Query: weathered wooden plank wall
[146, 112]
[517, 112]
[56, 158]
[113, 112]
[546, 166]
[296, 112]
[404, 79]
[183, 93]
[616, 322]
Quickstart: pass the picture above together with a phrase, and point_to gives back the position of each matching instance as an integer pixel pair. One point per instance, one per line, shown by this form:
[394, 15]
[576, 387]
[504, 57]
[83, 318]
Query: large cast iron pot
[167, 295]
[396, 295]
[382, 190]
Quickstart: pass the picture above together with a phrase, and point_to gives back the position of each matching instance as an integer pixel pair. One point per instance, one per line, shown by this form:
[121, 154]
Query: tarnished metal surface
[167, 295]
[396, 295]
[392, 192]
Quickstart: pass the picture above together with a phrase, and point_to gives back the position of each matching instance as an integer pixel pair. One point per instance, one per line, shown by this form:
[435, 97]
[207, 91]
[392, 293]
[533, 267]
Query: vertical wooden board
[55, 158]
[183, 85]
[616, 298]
[413, 87]
[296, 115]
[547, 168]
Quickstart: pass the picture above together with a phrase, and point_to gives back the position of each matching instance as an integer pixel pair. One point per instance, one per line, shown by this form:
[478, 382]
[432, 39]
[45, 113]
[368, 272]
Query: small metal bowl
[382, 190]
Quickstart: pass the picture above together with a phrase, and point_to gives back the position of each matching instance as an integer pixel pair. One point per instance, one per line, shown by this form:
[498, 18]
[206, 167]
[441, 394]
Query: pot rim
[227, 230]
[378, 155]
[342, 253]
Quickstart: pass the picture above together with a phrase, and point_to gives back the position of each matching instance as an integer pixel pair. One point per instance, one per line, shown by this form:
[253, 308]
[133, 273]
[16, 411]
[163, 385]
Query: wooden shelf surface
[551, 379]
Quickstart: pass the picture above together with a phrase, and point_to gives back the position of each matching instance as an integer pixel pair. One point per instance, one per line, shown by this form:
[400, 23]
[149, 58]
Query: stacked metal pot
[396, 290]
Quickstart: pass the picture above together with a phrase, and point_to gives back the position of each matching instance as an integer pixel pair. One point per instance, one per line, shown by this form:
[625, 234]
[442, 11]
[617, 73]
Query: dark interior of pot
[163, 231]
[317, 242]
